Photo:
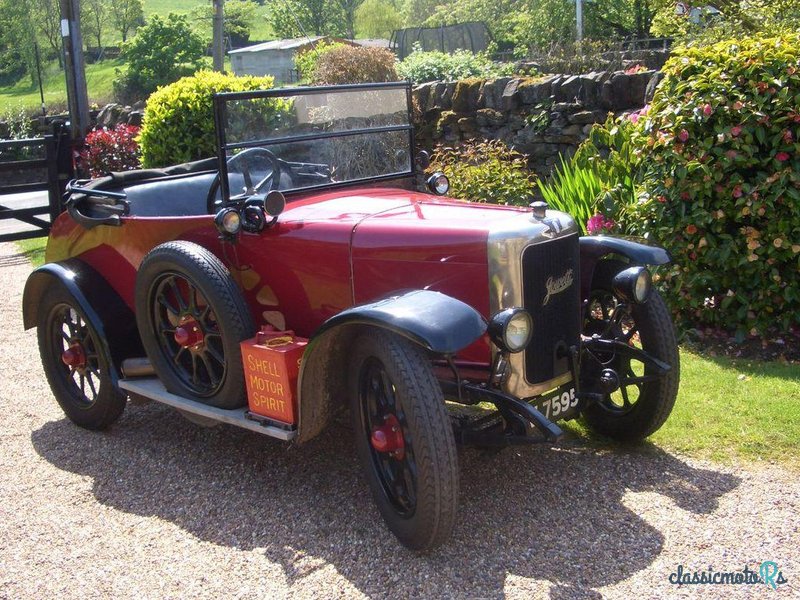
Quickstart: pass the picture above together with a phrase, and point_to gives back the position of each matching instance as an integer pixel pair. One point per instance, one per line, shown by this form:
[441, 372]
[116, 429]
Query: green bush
[420, 66]
[723, 182]
[163, 51]
[576, 190]
[354, 64]
[486, 172]
[306, 61]
[179, 118]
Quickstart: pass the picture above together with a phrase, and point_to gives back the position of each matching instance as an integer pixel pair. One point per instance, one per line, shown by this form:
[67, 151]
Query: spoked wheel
[645, 395]
[191, 317]
[404, 439]
[75, 363]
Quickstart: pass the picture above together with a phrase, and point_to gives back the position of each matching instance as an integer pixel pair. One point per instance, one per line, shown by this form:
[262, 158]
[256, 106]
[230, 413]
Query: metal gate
[44, 164]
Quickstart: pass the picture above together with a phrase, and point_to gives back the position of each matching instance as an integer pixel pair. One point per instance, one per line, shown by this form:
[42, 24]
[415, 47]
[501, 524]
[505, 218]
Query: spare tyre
[191, 317]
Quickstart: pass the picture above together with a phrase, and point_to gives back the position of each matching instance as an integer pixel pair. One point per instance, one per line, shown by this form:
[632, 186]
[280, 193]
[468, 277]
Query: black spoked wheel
[391, 445]
[75, 363]
[191, 317]
[645, 395]
[404, 439]
[188, 332]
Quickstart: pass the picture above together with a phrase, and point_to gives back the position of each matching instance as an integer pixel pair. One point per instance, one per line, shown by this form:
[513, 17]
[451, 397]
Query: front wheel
[404, 439]
[645, 396]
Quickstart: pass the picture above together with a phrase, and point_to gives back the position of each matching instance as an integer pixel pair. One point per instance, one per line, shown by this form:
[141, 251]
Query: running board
[152, 388]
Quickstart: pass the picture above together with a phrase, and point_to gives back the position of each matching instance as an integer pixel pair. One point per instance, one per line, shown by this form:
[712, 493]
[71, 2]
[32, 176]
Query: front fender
[437, 322]
[106, 311]
[595, 247]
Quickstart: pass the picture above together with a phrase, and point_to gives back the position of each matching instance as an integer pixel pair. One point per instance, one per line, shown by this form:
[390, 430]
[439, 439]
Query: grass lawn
[727, 410]
[259, 28]
[98, 80]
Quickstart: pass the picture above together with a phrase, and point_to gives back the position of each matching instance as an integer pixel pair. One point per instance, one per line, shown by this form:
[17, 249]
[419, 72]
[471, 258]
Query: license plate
[561, 404]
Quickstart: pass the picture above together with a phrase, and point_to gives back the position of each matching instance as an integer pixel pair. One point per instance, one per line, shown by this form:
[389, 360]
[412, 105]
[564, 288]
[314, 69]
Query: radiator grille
[554, 304]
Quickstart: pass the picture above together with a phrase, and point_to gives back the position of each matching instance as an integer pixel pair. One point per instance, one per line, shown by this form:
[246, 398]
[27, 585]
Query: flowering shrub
[486, 172]
[723, 182]
[599, 224]
[107, 150]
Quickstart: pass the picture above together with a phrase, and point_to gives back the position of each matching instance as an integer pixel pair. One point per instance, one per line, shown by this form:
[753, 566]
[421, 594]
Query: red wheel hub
[389, 437]
[189, 334]
[74, 356]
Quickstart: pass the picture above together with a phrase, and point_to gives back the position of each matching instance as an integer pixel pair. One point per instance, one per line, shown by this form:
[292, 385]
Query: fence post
[53, 188]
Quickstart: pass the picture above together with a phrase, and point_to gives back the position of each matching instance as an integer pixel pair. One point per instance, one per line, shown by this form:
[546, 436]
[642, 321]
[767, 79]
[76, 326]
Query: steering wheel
[240, 163]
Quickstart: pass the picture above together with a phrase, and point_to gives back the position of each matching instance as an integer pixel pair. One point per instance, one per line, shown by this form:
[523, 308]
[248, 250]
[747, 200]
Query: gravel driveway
[157, 507]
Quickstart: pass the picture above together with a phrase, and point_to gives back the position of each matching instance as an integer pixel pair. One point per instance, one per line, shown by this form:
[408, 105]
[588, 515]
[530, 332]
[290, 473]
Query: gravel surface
[157, 507]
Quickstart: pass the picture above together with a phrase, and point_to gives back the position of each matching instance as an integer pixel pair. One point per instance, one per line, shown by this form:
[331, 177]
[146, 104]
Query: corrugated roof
[279, 44]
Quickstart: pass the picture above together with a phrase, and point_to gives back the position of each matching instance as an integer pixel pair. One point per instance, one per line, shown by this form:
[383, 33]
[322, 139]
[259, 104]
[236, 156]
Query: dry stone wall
[541, 117]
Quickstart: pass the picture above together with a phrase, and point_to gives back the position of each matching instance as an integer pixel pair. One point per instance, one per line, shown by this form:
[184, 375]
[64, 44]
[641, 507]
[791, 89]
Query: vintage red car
[299, 274]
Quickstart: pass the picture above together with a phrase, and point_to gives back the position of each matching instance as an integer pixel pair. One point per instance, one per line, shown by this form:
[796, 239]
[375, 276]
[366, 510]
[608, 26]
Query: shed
[275, 58]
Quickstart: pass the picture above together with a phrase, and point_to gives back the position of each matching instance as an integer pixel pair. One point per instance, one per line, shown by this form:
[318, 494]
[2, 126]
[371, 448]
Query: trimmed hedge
[178, 121]
[723, 183]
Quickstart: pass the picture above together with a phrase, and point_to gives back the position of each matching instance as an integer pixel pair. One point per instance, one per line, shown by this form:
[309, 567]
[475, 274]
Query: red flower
[683, 135]
[731, 154]
[685, 196]
[787, 136]
[782, 157]
[707, 110]
[662, 198]
[737, 192]
[691, 229]
[736, 131]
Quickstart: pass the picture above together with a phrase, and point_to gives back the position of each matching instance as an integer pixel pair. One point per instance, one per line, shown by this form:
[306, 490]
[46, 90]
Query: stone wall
[541, 117]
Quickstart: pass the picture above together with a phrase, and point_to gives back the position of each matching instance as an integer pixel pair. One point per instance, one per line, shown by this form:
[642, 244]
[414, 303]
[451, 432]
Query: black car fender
[439, 323]
[111, 318]
[595, 247]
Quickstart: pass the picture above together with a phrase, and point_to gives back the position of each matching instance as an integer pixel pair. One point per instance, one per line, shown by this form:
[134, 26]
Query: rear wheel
[404, 439]
[645, 397]
[75, 363]
[191, 317]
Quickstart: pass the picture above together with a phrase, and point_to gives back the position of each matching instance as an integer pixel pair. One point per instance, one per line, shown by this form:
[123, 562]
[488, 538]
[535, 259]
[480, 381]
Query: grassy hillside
[259, 28]
[98, 79]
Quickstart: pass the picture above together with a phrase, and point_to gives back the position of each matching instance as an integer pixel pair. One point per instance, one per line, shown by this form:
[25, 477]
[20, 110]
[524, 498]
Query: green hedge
[723, 181]
[178, 121]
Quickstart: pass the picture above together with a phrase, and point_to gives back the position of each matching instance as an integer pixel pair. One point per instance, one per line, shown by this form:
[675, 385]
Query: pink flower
[633, 117]
[787, 136]
[736, 131]
[598, 224]
[707, 110]
[738, 105]
[782, 157]
[731, 154]
[683, 135]
[737, 192]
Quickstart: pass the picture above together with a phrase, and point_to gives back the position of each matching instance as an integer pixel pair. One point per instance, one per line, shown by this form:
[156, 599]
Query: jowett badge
[556, 286]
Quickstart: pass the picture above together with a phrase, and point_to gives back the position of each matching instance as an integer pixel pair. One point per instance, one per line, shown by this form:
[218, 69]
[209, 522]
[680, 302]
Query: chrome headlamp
[511, 329]
[438, 183]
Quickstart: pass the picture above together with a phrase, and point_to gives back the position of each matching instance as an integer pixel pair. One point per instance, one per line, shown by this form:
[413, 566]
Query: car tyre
[413, 477]
[645, 406]
[191, 317]
[81, 380]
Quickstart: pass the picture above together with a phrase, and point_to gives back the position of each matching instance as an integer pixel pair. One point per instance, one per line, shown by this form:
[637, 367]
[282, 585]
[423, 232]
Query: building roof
[288, 44]
[373, 42]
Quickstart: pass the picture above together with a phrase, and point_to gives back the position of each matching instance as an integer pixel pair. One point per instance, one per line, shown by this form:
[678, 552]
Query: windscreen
[304, 138]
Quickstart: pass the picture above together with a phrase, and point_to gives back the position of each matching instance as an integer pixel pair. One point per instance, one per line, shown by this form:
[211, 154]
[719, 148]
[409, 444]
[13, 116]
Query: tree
[296, 18]
[126, 15]
[93, 19]
[239, 15]
[349, 8]
[162, 51]
[377, 19]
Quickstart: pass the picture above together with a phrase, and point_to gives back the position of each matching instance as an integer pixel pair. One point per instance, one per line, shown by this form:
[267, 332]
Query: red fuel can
[271, 365]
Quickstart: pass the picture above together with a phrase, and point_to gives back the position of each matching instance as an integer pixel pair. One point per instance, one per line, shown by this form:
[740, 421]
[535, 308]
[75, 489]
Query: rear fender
[437, 322]
[595, 247]
[108, 314]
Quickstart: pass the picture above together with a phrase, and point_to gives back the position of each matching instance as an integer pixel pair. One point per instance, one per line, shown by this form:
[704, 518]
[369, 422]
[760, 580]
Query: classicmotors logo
[768, 573]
